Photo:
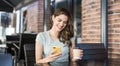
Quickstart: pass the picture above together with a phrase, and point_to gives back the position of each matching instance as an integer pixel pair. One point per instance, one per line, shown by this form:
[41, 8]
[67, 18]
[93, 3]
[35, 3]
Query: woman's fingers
[56, 55]
[77, 54]
[53, 52]
[53, 56]
[81, 53]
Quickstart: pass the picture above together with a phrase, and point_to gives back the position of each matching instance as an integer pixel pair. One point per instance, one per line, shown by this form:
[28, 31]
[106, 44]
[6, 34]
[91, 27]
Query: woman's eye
[59, 20]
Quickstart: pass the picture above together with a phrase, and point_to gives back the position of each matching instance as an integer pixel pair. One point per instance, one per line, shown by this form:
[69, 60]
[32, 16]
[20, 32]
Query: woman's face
[59, 22]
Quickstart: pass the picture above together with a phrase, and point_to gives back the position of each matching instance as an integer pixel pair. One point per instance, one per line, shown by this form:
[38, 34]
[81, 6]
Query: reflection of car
[10, 30]
[3, 48]
[0, 41]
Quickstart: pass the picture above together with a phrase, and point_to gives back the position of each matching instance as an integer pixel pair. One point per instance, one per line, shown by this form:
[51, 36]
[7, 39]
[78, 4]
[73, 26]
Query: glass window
[77, 19]
[87, 21]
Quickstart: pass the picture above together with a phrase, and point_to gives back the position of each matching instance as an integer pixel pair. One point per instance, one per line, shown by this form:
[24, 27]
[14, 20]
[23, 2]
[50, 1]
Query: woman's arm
[39, 55]
[39, 52]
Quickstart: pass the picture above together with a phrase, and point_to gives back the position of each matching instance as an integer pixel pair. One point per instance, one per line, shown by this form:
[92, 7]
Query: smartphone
[57, 49]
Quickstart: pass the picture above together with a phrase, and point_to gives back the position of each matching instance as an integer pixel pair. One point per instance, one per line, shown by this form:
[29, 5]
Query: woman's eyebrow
[59, 19]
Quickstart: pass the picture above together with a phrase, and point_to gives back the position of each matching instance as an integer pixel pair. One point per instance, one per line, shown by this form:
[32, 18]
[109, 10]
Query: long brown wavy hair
[67, 33]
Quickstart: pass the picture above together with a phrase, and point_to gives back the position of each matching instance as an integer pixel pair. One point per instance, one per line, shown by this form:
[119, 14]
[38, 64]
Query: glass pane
[61, 3]
[77, 19]
[5, 25]
[87, 16]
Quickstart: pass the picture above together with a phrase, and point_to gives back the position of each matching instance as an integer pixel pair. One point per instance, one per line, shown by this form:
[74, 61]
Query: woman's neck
[54, 33]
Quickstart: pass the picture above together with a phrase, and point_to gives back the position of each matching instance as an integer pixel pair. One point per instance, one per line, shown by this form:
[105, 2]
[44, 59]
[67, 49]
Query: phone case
[57, 49]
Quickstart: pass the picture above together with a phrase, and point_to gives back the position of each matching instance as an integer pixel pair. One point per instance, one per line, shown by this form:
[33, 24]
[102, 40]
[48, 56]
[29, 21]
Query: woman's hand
[53, 56]
[77, 54]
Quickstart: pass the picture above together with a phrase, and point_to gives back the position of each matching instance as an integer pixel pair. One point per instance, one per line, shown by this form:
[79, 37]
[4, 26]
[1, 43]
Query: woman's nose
[61, 24]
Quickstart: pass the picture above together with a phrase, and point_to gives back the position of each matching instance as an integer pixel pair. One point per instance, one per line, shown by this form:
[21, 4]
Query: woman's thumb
[53, 51]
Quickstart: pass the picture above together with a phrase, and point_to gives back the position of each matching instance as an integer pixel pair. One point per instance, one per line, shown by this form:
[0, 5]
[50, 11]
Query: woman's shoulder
[41, 37]
[44, 33]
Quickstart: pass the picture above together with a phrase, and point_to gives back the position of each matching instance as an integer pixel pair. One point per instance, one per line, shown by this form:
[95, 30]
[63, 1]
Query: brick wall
[12, 19]
[40, 16]
[91, 21]
[35, 14]
[91, 25]
[114, 32]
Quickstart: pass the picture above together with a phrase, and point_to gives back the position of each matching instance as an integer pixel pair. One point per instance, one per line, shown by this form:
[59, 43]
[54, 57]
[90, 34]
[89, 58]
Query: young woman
[60, 34]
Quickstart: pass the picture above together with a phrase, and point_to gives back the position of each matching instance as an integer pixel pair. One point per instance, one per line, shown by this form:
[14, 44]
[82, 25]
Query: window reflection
[77, 19]
[5, 25]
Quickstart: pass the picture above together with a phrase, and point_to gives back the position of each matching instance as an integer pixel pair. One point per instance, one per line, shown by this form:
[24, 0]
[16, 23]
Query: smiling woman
[59, 35]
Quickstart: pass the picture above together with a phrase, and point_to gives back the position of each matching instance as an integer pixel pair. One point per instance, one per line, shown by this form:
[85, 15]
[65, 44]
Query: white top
[47, 42]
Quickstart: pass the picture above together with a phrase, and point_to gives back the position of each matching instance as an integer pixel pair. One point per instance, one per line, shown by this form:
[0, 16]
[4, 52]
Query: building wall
[35, 14]
[12, 19]
[91, 27]
[91, 21]
[114, 32]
